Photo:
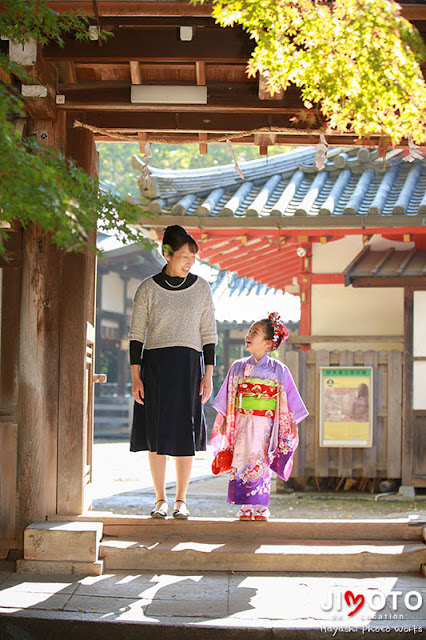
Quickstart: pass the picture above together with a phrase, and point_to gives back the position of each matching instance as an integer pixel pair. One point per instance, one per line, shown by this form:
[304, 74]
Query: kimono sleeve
[220, 403]
[294, 400]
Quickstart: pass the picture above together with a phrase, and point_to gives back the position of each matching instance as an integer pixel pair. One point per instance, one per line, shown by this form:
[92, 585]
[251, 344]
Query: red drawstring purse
[222, 462]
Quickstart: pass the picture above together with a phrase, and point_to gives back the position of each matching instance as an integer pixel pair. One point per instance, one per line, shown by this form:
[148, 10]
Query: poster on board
[346, 407]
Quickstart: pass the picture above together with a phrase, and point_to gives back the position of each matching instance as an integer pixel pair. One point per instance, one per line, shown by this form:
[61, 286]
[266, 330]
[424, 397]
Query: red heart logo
[348, 596]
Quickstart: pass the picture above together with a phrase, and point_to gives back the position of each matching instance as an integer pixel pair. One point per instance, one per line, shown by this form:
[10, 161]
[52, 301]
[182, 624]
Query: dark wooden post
[77, 315]
[10, 285]
[407, 395]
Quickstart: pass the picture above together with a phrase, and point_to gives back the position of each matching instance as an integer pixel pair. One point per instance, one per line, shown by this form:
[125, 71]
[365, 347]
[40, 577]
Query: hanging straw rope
[213, 140]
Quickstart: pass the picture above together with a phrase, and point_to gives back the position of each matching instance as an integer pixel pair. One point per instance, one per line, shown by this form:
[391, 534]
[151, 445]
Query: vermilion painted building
[350, 240]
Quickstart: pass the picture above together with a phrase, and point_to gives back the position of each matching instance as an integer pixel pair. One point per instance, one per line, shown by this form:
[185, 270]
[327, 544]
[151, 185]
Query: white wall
[339, 310]
[112, 293]
[335, 256]
[132, 285]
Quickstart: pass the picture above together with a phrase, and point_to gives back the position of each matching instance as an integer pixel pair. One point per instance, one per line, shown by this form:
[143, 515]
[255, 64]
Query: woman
[173, 326]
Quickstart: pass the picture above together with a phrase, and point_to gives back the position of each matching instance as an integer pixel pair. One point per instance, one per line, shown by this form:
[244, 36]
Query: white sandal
[161, 511]
[181, 512]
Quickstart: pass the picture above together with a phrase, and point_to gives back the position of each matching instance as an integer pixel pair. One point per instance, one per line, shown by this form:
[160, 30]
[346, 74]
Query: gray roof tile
[354, 182]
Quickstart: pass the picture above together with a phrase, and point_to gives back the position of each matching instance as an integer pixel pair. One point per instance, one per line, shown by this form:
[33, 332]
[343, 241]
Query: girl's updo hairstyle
[269, 329]
[275, 329]
[175, 237]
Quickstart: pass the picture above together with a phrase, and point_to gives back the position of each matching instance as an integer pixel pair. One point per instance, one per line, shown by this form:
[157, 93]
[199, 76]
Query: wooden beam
[135, 72]
[418, 282]
[321, 223]
[200, 72]
[160, 45]
[45, 73]
[132, 8]
[165, 8]
[203, 143]
[265, 94]
[223, 96]
[67, 74]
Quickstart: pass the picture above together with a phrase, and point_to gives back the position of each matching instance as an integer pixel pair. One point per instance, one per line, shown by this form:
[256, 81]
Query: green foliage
[115, 160]
[39, 185]
[357, 60]
[20, 19]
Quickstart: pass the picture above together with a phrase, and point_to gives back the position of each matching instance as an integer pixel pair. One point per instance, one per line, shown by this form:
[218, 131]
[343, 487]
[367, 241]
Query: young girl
[258, 409]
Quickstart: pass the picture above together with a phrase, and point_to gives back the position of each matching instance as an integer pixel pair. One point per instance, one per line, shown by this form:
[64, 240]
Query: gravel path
[122, 485]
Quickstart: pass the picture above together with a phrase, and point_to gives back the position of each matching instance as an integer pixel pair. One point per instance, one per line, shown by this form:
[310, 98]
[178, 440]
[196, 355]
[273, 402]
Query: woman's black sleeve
[209, 351]
[135, 350]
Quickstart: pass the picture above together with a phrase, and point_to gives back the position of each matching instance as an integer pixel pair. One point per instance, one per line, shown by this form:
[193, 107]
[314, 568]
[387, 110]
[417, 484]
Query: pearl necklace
[176, 286]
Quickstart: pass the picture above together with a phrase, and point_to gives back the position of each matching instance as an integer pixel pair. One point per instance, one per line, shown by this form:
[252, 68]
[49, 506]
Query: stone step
[66, 547]
[213, 529]
[273, 555]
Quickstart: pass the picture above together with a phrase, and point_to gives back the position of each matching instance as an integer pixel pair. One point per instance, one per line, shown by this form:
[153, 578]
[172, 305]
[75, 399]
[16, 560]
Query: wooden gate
[10, 287]
[383, 459]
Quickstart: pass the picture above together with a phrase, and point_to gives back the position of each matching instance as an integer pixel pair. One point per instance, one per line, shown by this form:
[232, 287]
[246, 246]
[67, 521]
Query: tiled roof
[394, 267]
[353, 182]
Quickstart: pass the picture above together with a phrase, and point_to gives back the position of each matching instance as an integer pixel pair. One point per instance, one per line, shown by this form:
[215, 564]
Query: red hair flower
[280, 330]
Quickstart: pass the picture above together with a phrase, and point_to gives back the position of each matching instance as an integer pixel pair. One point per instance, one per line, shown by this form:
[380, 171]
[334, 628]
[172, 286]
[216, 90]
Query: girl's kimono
[262, 407]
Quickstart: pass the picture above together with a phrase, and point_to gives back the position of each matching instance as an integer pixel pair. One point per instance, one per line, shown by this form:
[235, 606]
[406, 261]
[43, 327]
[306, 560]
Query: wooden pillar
[98, 349]
[123, 352]
[10, 298]
[38, 363]
[38, 380]
[77, 315]
[407, 393]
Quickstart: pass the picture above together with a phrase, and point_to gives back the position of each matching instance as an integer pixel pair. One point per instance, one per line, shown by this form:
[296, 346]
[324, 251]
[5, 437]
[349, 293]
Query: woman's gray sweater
[178, 318]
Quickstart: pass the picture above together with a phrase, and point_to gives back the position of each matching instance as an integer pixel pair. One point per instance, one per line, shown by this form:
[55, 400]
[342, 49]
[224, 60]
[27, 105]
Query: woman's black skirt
[171, 420]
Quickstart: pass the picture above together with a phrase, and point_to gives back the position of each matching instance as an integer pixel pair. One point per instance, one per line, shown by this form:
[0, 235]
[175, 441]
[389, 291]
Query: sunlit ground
[122, 485]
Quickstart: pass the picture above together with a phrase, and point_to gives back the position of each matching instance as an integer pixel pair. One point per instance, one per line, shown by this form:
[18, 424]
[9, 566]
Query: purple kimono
[260, 441]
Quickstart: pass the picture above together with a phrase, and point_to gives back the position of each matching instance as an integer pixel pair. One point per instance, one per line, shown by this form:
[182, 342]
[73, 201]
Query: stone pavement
[175, 605]
[204, 605]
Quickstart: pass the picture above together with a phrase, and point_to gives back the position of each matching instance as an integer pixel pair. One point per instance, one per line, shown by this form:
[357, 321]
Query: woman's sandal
[181, 511]
[262, 513]
[245, 513]
[161, 511]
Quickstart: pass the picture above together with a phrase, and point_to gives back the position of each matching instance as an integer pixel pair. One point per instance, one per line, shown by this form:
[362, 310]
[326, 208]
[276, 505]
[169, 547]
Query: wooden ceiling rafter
[169, 8]
[147, 49]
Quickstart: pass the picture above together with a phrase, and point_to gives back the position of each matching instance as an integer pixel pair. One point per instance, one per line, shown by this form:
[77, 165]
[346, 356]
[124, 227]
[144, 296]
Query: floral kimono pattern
[260, 441]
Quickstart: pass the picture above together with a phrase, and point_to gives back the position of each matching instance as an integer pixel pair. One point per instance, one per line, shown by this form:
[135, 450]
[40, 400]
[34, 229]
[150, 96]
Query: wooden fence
[383, 459]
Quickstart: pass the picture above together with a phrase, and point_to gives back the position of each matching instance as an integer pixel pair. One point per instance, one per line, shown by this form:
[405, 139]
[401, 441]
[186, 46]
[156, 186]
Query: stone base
[63, 541]
[407, 491]
[60, 567]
